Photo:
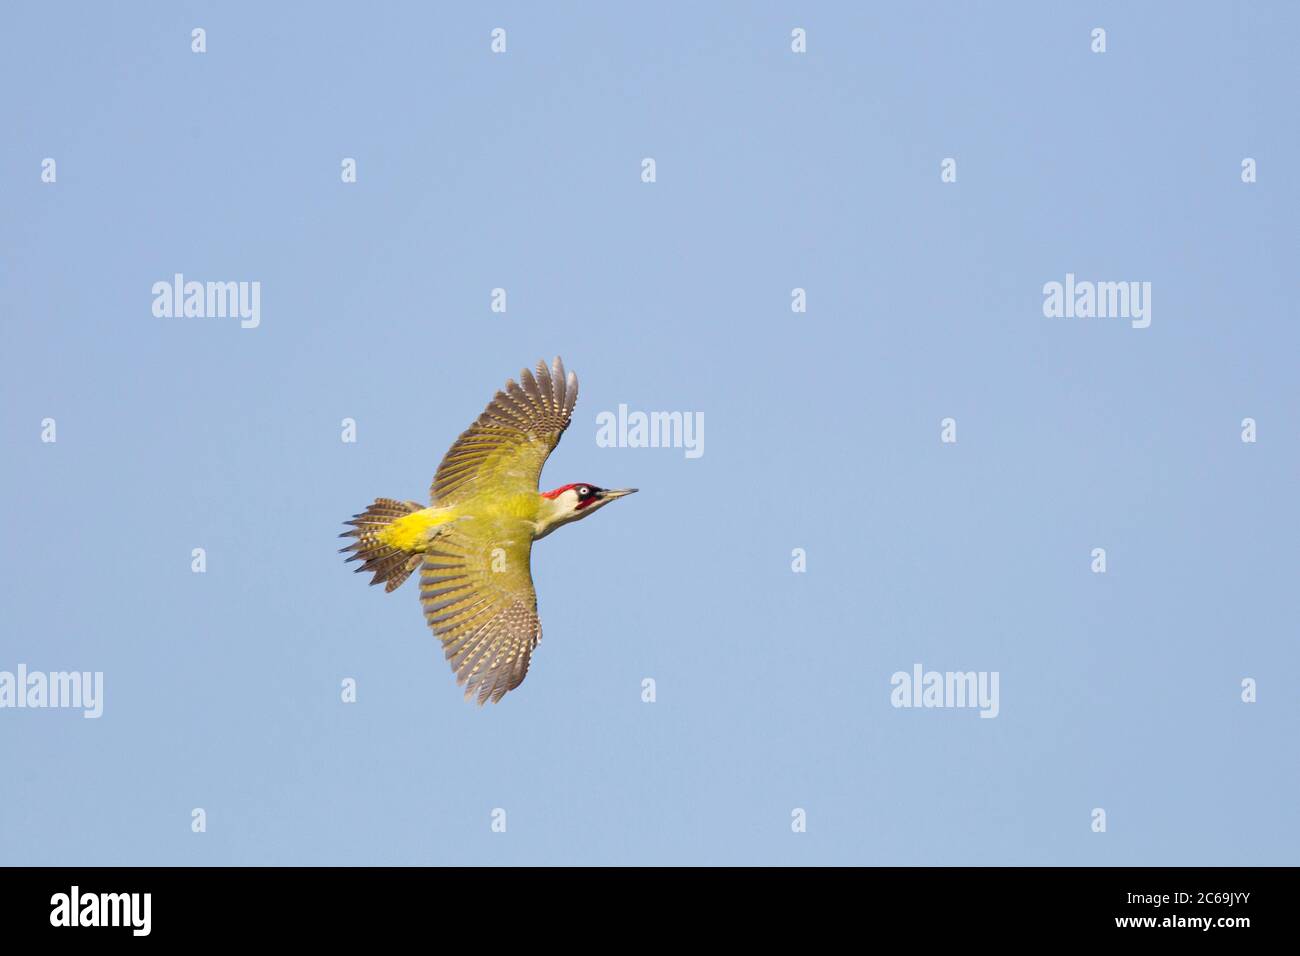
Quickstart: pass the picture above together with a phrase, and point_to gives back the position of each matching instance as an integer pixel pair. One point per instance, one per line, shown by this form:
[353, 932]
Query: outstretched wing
[477, 590]
[504, 450]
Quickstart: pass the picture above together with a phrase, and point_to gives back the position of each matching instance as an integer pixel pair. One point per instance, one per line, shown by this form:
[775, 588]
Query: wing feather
[510, 441]
[477, 590]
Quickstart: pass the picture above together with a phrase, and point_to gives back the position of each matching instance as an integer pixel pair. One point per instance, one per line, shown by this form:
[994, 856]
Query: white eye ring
[584, 491]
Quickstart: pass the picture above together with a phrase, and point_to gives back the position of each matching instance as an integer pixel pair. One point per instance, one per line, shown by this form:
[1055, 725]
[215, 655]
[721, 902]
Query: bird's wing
[477, 590]
[504, 450]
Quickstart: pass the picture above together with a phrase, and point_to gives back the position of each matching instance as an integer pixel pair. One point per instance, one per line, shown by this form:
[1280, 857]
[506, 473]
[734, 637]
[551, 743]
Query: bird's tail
[389, 562]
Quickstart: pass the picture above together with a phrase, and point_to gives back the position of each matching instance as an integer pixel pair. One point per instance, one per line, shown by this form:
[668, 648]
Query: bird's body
[474, 541]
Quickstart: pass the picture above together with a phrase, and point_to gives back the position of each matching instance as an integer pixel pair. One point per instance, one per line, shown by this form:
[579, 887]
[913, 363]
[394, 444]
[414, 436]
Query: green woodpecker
[473, 543]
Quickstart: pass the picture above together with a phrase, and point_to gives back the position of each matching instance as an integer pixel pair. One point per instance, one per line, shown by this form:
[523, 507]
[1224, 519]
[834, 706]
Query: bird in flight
[474, 541]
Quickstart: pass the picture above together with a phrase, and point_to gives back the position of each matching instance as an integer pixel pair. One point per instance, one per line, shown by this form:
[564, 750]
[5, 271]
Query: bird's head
[571, 502]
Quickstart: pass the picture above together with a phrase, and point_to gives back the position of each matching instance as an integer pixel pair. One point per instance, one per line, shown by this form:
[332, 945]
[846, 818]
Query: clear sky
[774, 171]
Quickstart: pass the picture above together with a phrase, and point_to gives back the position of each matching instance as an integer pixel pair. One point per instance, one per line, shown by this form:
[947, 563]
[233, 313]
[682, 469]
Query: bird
[473, 542]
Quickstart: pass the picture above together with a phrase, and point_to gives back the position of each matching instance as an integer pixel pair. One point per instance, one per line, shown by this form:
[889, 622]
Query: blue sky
[774, 171]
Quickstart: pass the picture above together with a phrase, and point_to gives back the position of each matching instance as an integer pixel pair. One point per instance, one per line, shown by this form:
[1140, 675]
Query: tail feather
[389, 563]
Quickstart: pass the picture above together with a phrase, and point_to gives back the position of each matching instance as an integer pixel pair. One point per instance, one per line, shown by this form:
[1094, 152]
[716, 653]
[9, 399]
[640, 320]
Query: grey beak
[617, 492]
